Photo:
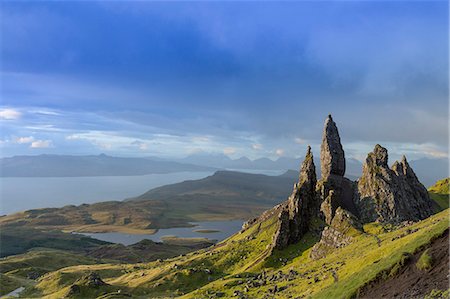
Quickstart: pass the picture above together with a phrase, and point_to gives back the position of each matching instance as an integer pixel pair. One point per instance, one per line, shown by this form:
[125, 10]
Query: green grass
[441, 186]
[17, 270]
[9, 284]
[425, 261]
[438, 294]
[229, 265]
[17, 240]
[440, 193]
[441, 199]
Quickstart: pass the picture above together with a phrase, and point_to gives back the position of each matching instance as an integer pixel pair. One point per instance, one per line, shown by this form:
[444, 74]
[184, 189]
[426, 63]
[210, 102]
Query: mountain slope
[228, 183]
[440, 193]
[242, 265]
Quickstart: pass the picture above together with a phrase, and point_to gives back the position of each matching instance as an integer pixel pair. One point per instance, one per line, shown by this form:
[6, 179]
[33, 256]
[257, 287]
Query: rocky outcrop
[343, 227]
[300, 208]
[381, 194]
[333, 190]
[332, 159]
[390, 195]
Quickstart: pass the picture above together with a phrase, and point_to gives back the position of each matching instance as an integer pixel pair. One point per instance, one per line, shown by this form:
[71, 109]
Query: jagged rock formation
[390, 195]
[332, 159]
[381, 194]
[300, 208]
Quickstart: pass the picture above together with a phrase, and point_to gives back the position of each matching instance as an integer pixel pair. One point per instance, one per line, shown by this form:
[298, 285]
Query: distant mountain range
[283, 163]
[101, 165]
[428, 170]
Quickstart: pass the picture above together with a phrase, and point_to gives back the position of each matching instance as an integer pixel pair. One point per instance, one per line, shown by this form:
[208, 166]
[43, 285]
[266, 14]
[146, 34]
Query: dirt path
[410, 282]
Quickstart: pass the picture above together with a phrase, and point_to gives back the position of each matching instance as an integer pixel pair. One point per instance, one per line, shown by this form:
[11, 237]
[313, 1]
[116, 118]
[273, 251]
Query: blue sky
[242, 78]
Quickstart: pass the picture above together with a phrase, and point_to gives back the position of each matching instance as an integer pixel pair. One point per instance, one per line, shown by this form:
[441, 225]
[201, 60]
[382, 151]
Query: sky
[256, 79]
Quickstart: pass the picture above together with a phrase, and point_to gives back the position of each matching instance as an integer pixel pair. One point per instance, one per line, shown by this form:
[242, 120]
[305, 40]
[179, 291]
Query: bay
[220, 230]
[25, 193]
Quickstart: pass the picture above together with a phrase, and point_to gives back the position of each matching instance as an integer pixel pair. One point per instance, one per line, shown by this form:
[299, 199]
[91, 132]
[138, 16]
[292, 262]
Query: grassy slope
[15, 270]
[17, 240]
[439, 192]
[228, 265]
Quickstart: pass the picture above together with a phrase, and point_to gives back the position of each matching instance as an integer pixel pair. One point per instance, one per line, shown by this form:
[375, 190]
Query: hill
[440, 193]
[252, 187]
[222, 196]
[244, 266]
[101, 165]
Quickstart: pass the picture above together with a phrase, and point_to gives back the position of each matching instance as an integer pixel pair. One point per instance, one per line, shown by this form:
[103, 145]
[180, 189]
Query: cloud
[279, 152]
[45, 112]
[140, 145]
[10, 114]
[299, 140]
[23, 140]
[229, 151]
[41, 144]
[257, 146]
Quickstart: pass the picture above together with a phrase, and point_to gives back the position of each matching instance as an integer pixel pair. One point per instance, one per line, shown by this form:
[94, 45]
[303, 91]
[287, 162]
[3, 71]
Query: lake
[223, 229]
[24, 193]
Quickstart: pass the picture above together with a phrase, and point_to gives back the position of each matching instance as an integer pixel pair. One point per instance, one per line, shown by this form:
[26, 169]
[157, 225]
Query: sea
[25, 193]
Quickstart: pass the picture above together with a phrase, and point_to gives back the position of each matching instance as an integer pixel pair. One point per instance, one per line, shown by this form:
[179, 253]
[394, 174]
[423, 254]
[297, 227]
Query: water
[14, 293]
[18, 194]
[225, 229]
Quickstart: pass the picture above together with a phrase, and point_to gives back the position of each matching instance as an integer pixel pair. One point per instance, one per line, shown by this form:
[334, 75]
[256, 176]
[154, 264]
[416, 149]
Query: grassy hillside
[440, 193]
[243, 264]
[21, 270]
[17, 240]
[255, 187]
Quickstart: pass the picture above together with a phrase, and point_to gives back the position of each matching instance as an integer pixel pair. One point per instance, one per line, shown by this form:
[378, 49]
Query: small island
[207, 231]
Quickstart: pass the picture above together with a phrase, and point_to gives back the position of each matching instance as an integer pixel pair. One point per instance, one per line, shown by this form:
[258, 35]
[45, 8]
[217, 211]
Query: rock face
[332, 159]
[300, 208]
[390, 195]
[339, 234]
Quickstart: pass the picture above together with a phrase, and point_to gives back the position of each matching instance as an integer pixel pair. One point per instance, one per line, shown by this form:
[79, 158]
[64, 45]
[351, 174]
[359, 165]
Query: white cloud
[45, 112]
[23, 140]
[10, 114]
[300, 140]
[279, 152]
[140, 145]
[257, 146]
[41, 144]
[432, 151]
[229, 151]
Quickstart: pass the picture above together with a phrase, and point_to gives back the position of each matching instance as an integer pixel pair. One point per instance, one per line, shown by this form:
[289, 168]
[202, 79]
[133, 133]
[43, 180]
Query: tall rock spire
[332, 158]
[300, 208]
